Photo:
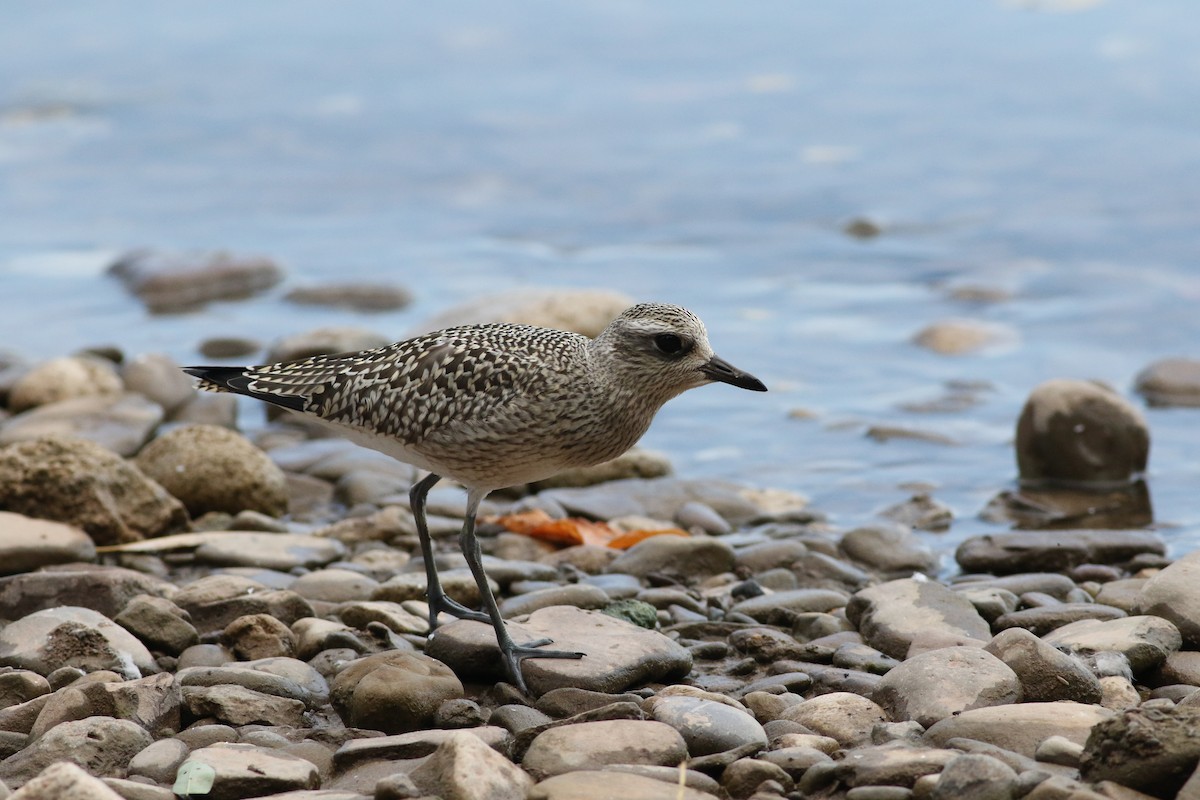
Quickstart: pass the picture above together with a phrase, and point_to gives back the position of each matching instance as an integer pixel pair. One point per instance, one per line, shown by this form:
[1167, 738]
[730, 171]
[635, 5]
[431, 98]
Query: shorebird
[493, 406]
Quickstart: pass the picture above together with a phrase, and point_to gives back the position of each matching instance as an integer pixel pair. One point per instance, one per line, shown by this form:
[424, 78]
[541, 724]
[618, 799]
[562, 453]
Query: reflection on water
[1028, 170]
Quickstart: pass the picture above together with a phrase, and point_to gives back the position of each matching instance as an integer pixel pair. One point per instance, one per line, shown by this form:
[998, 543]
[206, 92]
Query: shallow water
[691, 152]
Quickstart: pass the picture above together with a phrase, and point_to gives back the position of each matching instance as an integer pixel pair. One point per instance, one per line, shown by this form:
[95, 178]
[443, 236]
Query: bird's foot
[443, 604]
[514, 654]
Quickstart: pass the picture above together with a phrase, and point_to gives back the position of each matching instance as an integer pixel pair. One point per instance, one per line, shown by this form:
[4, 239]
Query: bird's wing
[411, 389]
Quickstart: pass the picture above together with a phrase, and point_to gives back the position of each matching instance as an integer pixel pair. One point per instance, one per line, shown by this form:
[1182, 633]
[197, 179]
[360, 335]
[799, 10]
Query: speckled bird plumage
[493, 406]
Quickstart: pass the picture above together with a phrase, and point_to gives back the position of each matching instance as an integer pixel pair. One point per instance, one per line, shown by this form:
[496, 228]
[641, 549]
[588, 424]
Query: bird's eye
[669, 344]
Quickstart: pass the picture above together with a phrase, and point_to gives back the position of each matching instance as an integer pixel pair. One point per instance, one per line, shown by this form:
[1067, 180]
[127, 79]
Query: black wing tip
[237, 380]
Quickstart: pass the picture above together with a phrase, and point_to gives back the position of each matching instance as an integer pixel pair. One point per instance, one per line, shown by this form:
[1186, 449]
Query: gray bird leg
[438, 601]
[511, 652]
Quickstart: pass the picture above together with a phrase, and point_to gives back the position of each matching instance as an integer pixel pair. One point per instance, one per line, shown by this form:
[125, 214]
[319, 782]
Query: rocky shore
[191, 612]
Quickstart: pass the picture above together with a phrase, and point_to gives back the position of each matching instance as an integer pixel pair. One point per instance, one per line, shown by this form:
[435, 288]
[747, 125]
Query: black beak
[718, 369]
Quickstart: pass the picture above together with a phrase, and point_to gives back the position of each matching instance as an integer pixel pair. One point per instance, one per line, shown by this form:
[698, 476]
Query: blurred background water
[704, 153]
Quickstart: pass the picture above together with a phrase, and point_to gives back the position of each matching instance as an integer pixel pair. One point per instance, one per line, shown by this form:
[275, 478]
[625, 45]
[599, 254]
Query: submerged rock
[176, 282]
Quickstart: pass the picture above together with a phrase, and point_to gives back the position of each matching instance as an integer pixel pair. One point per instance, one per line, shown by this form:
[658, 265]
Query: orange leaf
[523, 521]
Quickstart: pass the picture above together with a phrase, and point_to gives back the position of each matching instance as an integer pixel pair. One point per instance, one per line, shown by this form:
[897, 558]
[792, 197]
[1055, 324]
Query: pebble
[578, 595]
[589, 784]
[71, 636]
[393, 692]
[102, 746]
[843, 716]
[1174, 595]
[121, 423]
[464, 767]
[978, 777]
[1145, 641]
[27, 543]
[685, 557]
[65, 378]
[1041, 620]
[591, 745]
[1026, 551]
[707, 726]
[243, 770]
[352, 296]
[1020, 727]
[1152, 750]
[1045, 672]
[943, 683]
[890, 548]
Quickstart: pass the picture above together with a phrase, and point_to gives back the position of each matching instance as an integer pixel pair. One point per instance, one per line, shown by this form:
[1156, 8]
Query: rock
[584, 311]
[153, 703]
[158, 378]
[591, 745]
[19, 686]
[335, 585]
[159, 624]
[100, 745]
[632, 464]
[1153, 750]
[70, 636]
[255, 636]
[578, 595]
[243, 770]
[894, 764]
[176, 282]
[1170, 382]
[322, 341]
[278, 551]
[393, 615]
[706, 726]
[846, 717]
[106, 590]
[83, 484]
[63, 779]
[458, 584]
[237, 705]
[687, 557]
[413, 745]
[464, 768]
[160, 760]
[797, 600]
[67, 378]
[393, 692]
[217, 600]
[121, 423]
[1174, 594]
[978, 777]
[1145, 641]
[891, 615]
[1046, 673]
[1080, 432]
[211, 468]
[1020, 727]
[618, 654]
[744, 776]
[352, 296]
[1057, 750]
[1041, 620]
[1028, 551]
[941, 683]
[27, 543]
[889, 548]
[956, 337]
[922, 512]
[600, 785]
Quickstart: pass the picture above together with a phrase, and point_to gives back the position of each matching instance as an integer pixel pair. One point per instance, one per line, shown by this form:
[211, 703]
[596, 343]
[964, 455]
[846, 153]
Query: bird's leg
[438, 601]
[511, 652]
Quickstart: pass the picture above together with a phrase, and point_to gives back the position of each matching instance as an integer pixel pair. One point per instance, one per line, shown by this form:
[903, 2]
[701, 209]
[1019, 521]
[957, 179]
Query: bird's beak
[718, 369]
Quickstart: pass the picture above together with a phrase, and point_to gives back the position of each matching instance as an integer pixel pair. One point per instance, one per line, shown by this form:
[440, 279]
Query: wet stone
[979, 777]
[577, 595]
[1174, 595]
[1028, 551]
[686, 557]
[353, 296]
[1170, 382]
[277, 551]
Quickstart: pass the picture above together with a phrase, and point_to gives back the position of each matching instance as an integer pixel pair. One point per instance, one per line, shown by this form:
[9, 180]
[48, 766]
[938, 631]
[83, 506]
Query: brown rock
[83, 484]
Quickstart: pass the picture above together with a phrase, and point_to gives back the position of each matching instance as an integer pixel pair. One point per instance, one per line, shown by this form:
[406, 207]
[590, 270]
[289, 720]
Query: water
[704, 153]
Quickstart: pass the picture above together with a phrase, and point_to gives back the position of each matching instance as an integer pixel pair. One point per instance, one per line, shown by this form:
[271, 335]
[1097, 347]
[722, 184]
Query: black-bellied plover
[493, 406]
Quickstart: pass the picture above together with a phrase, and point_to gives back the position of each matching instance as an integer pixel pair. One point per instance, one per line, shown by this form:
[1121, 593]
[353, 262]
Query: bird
[493, 406]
